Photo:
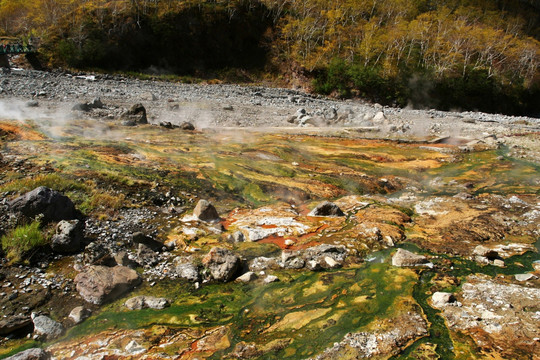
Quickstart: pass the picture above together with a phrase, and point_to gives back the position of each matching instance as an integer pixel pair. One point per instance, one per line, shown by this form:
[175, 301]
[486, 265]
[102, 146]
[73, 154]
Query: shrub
[21, 240]
[335, 78]
[103, 201]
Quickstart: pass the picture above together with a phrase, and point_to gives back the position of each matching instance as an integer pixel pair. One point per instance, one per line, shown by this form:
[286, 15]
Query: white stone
[289, 242]
[331, 262]
[247, 277]
[270, 279]
[524, 277]
[440, 299]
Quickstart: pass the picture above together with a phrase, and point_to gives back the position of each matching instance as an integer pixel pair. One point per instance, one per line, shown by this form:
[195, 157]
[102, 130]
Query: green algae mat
[106, 168]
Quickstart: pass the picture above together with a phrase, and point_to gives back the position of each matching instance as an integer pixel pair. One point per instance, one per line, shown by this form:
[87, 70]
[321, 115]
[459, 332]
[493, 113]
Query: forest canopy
[467, 54]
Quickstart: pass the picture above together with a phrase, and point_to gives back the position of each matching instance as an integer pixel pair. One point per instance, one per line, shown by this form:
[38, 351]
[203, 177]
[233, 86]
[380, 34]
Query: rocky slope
[244, 106]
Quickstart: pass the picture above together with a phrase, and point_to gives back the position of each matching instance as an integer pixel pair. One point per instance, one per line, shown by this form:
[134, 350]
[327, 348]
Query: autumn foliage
[473, 54]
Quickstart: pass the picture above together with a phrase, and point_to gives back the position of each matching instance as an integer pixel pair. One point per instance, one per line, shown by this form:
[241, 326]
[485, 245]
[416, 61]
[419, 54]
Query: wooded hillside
[467, 54]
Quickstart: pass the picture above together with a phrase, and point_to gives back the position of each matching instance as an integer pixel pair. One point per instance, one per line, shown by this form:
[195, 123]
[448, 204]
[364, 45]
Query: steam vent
[270, 180]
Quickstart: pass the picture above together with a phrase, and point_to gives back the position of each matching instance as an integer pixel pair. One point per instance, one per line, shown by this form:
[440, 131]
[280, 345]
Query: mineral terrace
[181, 221]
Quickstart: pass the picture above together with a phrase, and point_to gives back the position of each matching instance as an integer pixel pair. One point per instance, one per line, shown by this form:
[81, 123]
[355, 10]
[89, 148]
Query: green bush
[334, 78]
[341, 79]
[21, 240]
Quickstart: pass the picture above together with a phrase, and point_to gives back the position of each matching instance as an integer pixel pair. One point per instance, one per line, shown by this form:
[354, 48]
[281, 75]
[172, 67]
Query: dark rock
[146, 256]
[134, 116]
[32, 103]
[326, 208]
[97, 254]
[30, 354]
[486, 252]
[81, 107]
[53, 205]
[168, 125]
[205, 211]
[96, 104]
[187, 126]
[144, 302]
[221, 263]
[13, 324]
[46, 327]
[99, 284]
[68, 237]
[140, 238]
[122, 258]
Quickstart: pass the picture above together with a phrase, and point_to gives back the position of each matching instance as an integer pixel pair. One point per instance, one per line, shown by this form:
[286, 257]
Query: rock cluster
[144, 302]
[496, 315]
[136, 115]
[319, 257]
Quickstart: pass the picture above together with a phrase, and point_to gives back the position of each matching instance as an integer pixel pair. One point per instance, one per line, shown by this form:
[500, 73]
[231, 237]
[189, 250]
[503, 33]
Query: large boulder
[30, 354]
[144, 302]
[53, 205]
[12, 324]
[99, 284]
[187, 126]
[221, 263]
[136, 115]
[326, 208]
[46, 327]
[68, 237]
[405, 258]
[205, 211]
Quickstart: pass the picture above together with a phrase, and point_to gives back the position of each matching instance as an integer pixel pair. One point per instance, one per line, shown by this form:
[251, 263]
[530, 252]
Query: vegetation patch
[23, 240]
